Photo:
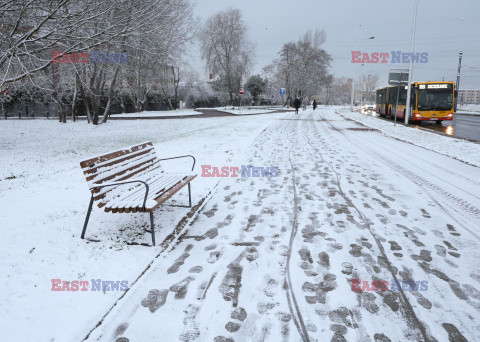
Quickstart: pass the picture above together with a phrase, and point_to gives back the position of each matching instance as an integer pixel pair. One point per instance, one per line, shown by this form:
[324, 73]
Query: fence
[51, 110]
[28, 110]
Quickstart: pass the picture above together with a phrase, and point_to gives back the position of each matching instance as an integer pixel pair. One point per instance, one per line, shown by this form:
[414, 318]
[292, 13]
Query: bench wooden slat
[144, 175]
[97, 166]
[137, 172]
[154, 182]
[112, 155]
[137, 201]
[156, 187]
[166, 195]
[120, 169]
[160, 199]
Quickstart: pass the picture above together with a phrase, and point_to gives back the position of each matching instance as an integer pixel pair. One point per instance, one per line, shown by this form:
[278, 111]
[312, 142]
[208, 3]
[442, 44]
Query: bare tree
[302, 66]
[226, 49]
[157, 53]
[341, 90]
[151, 32]
[368, 84]
[31, 29]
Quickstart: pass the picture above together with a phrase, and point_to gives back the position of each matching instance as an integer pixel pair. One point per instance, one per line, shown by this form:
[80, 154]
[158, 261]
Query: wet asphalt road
[463, 126]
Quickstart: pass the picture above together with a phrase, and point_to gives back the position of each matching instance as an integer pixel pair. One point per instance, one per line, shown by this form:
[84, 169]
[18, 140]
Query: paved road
[206, 113]
[275, 259]
[462, 126]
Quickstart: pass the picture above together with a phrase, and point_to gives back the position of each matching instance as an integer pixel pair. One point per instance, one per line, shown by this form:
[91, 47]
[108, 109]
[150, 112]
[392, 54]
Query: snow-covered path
[273, 258]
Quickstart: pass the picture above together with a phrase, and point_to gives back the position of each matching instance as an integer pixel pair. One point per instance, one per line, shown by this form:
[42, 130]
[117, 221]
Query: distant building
[469, 96]
[163, 81]
[167, 76]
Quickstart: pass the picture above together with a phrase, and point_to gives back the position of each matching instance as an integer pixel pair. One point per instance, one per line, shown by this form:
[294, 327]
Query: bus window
[435, 98]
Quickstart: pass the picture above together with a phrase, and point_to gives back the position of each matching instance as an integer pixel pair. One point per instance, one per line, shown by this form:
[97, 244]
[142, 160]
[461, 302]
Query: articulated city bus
[386, 101]
[431, 101]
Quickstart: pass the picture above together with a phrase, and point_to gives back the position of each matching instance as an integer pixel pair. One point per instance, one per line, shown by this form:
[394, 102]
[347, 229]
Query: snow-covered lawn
[473, 109]
[178, 112]
[247, 110]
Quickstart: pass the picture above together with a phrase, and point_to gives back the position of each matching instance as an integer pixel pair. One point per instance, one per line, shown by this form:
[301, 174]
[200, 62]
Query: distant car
[368, 108]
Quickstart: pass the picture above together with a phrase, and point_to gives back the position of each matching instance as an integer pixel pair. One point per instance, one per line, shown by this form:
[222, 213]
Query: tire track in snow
[435, 187]
[296, 314]
[408, 306]
[425, 186]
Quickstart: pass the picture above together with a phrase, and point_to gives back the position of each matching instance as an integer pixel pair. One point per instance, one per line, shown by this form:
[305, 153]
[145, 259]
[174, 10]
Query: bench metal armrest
[126, 182]
[186, 156]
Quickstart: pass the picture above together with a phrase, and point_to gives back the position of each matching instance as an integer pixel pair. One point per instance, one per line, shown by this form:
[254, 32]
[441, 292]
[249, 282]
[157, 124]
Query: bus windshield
[435, 97]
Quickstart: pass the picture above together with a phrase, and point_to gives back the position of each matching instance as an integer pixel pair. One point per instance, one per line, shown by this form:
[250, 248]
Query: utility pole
[457, 85]
[353, 80]
[409, 91]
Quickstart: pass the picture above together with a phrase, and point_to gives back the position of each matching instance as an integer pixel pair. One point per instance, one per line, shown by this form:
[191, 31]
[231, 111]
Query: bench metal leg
[87, 218]
[152, 228]
[189, 200]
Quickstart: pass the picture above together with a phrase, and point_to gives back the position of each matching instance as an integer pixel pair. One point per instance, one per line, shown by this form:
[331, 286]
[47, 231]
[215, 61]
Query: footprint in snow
[155, 299]
[214, 256]
[271, 288]
[452, 230]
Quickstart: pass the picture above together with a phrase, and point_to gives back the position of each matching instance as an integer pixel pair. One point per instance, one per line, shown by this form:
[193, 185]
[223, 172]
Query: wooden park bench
[132, 180]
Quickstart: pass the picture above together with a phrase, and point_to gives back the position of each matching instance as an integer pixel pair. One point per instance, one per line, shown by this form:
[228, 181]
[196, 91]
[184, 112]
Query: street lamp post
[409, 91]
[457, 85]
[353, 80]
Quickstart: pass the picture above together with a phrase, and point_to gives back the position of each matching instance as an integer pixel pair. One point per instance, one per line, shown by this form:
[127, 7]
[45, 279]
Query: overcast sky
[444, 28]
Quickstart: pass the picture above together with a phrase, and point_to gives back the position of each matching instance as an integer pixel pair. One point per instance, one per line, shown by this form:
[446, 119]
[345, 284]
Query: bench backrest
[127, 163]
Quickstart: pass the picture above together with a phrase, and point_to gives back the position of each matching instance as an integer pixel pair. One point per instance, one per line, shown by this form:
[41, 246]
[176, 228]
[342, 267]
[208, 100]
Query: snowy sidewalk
[275, 259]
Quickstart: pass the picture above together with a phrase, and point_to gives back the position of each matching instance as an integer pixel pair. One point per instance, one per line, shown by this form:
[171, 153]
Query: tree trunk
[110, 95]
[84, 98]
[95, 113]
[176, 82]
[74, 104]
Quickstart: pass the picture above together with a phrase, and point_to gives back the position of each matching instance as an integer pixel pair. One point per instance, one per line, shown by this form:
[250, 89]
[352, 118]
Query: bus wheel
[438, 122]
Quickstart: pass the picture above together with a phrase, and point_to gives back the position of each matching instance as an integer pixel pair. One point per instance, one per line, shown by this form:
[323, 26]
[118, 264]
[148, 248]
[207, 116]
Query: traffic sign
[398, 77]
[282, 91]
[241, 91]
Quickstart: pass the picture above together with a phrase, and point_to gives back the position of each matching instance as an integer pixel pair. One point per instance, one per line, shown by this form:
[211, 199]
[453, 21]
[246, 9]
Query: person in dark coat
[314, 104]
[296, 104]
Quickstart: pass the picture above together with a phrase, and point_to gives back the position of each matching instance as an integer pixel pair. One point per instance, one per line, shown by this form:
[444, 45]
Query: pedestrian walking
[314, 104]
[296, 104]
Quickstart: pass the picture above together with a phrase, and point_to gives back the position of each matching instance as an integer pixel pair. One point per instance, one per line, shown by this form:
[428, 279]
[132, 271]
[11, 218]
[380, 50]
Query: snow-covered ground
[247, 110]
[270, 259]
[473, 109]
[178, 112]
[43, 201]
[457, 148]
